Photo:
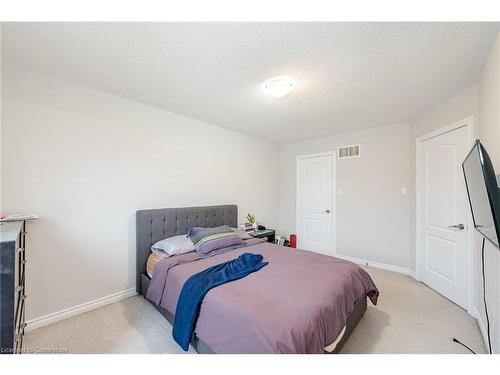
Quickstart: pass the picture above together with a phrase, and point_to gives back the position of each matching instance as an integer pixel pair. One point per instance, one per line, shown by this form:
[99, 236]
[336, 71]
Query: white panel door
[314, 200]
[444, 215]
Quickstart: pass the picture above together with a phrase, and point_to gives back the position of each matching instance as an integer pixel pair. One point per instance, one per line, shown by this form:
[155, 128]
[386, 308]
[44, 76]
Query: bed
[271, 311]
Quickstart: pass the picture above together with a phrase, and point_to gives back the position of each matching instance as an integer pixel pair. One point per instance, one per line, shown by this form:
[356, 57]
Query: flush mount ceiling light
[279, 86]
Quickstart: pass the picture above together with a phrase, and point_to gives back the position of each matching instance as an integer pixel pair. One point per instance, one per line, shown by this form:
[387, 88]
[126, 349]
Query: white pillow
[173, 246]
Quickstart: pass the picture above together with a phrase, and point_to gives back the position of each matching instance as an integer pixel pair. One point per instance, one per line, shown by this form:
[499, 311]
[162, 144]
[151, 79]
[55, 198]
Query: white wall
[85, 161]
[372, 216]
[1, 208]
[489, 132]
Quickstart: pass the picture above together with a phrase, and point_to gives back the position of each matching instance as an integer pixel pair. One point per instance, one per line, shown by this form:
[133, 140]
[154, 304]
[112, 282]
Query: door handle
[457, 226]
[327, 211]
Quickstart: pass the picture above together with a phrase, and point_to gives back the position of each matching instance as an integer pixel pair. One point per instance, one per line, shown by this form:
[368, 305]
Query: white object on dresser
[19, 217]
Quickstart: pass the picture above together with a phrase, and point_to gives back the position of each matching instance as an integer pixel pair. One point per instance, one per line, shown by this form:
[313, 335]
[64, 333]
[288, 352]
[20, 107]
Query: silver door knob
[326, 211]
[457, 226]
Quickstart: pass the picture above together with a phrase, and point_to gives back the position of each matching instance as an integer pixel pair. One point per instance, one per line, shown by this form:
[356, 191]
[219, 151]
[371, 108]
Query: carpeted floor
[410, 318]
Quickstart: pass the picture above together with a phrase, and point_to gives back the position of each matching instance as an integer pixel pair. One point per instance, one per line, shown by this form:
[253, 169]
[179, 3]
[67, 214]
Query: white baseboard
[383, 266]
[79, 309]
[412, 274]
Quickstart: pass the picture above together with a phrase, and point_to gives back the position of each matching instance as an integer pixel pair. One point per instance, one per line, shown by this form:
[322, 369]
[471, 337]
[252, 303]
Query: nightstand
[269, 233]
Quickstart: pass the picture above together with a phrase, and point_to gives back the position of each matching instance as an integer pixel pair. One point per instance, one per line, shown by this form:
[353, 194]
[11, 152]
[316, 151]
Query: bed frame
[156, 224]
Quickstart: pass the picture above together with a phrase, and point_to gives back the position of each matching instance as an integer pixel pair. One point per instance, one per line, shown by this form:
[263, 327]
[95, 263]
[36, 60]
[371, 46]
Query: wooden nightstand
[269, 233]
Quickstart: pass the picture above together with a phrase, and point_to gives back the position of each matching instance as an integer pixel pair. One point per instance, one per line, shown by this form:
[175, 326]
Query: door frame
[469, 123]
[334, 195]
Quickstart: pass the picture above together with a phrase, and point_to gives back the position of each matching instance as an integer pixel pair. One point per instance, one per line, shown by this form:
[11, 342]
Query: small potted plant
[252, 220]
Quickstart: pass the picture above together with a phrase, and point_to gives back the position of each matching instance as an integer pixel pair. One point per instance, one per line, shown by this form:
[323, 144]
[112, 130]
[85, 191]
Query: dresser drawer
[20, 316]
[12, 286]
[20, 287]
[20, 306]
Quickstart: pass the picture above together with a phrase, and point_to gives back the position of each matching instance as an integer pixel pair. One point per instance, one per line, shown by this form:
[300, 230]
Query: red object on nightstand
[293, 241]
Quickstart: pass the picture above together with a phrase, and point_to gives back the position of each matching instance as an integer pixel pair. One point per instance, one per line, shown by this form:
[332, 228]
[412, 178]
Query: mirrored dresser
[12, 286]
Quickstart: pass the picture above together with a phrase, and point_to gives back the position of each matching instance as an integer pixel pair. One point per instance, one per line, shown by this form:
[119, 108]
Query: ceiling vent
[345, 152]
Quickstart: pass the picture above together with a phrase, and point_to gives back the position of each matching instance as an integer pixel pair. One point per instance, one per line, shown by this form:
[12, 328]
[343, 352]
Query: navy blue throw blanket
[197, 286]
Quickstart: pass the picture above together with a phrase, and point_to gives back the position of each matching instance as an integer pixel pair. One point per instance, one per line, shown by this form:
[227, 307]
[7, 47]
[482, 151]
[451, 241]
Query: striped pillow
[206, 240]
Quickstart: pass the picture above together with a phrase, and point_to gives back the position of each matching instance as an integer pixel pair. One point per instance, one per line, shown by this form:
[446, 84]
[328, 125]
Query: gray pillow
[207, 240]
[241, 234]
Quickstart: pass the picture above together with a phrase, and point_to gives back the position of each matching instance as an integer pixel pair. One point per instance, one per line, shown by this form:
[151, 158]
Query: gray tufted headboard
[157, 224]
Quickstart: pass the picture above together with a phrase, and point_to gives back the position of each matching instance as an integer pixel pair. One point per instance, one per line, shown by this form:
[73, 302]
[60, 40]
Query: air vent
[345, 152]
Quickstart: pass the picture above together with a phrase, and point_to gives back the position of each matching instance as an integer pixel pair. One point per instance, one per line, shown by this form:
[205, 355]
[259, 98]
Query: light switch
[404, 191]
[341, 191]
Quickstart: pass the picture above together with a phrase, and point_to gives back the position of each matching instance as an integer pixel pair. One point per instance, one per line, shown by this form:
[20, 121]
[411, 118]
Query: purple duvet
[299, 303]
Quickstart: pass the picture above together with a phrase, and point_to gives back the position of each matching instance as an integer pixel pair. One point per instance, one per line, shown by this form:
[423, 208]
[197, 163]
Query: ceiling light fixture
[279, 86]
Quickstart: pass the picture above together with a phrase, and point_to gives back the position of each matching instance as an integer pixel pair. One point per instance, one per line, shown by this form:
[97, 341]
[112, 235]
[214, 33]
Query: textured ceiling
[350, 75]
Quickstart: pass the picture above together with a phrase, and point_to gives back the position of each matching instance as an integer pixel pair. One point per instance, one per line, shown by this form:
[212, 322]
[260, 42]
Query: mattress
[232, 318]
[153, 259]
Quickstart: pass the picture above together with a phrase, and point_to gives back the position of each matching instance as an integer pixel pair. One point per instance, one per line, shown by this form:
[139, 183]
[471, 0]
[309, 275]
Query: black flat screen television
[483, 193]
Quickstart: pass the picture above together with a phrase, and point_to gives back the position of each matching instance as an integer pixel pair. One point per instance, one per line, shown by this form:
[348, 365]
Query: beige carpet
[410, 318]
